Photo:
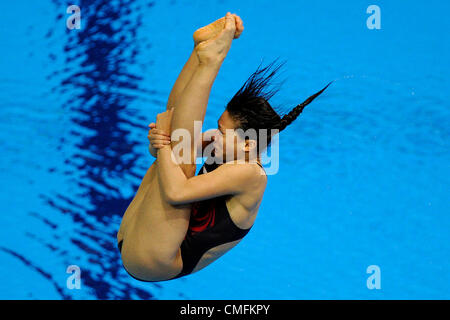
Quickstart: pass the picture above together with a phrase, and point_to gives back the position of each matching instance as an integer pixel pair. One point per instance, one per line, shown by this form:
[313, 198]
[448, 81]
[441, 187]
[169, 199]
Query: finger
[152, 125]
[159, 132]
[161, 138]
[160, 142]
[162, 133]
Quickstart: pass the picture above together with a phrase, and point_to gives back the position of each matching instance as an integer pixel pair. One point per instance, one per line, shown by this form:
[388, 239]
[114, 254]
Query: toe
[239, 27]
[229, 20]
[230, 25]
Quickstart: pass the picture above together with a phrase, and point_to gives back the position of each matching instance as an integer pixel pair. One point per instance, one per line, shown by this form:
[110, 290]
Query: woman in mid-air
[179, 223]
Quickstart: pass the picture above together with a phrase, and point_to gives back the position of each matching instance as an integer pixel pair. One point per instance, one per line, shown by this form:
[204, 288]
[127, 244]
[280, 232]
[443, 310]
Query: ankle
[213, 62]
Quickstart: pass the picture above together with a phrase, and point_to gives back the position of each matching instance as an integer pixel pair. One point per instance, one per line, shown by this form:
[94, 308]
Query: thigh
[137, 199]
[154, 235]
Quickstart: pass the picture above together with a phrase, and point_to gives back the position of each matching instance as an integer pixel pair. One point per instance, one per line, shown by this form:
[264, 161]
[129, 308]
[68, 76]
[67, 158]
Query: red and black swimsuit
[210, 225]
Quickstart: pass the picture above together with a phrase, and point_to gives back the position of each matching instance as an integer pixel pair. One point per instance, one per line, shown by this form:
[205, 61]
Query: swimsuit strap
[262, 168]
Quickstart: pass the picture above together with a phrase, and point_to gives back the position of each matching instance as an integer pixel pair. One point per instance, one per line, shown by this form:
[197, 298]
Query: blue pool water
[364, 172]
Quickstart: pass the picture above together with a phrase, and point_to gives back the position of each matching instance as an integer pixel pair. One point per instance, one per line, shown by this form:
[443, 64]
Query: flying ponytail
[287, 119]
[250, 108]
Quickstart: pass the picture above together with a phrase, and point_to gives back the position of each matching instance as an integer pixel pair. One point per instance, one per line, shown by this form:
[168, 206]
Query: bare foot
[213, 29]
[215, 49]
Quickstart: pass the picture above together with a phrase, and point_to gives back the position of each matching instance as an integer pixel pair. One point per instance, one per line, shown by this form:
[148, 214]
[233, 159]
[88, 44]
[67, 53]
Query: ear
[249, 145]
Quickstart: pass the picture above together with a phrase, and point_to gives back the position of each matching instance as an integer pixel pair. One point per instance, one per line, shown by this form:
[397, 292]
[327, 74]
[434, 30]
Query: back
[212, 231]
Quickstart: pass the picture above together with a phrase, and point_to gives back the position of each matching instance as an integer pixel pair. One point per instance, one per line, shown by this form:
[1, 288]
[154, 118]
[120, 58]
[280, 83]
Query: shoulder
[250, 174]
[244, 206]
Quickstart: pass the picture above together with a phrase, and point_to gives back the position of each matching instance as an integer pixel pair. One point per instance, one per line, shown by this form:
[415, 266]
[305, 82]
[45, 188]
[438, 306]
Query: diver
[178, 223]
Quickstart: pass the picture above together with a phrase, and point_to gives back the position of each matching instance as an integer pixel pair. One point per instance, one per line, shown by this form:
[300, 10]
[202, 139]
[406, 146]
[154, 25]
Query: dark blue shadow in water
[98, 60]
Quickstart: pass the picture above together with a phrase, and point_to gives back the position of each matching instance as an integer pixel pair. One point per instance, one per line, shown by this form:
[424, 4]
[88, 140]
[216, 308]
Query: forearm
[171, 176]
[183, 79]
[153, 151]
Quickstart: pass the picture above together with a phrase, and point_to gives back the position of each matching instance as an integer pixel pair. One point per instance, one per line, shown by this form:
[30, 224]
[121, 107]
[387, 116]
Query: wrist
[164, 148]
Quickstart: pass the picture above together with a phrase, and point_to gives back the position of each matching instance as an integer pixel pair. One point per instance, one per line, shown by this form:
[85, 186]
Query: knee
[151, 267]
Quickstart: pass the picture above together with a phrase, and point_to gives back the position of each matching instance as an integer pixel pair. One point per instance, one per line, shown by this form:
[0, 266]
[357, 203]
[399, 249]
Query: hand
[216, 49]
[157, 138]
[164, 120]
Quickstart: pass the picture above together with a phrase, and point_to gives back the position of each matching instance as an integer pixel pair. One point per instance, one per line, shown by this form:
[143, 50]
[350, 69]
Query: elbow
[173, 197]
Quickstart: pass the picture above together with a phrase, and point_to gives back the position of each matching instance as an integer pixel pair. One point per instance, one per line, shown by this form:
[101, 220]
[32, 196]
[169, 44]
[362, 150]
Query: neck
[257, 159]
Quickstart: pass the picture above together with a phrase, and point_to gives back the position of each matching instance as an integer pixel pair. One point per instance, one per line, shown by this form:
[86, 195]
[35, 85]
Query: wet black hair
[250, 108]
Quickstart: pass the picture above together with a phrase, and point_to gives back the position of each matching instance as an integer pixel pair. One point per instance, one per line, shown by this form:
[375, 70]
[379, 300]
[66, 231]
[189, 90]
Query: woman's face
[226, 140]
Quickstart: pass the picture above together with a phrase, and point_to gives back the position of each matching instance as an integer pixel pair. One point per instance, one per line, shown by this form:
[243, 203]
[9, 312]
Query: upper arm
[226, 179]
